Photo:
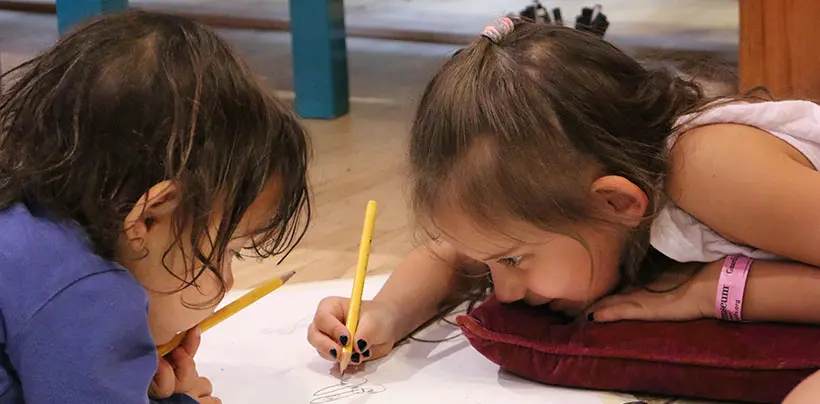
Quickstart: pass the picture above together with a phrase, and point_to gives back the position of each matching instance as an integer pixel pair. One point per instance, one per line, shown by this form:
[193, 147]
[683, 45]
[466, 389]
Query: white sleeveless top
[683, 238]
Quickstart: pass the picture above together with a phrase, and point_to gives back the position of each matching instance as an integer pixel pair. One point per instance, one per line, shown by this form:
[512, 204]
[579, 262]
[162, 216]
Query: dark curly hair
[129, 100]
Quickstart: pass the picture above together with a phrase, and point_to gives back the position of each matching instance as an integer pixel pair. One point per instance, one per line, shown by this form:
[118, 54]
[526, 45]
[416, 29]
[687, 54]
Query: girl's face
[149, 235]
[540, 267]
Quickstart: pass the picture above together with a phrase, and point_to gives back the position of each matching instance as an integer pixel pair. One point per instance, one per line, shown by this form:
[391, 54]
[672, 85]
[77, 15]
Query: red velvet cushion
[708, 359]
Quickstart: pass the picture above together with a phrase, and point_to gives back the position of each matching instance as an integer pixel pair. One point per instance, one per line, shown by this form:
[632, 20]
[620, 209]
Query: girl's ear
[619, 199]
[155, 207]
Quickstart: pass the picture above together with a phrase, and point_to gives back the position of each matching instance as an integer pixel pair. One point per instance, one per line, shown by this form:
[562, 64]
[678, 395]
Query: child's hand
[374, 337]
[176, 372]
[688, 298]
[202, 390]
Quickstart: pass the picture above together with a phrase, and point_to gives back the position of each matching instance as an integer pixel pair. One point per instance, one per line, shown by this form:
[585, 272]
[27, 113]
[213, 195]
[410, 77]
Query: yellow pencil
[229, 310]
[358, 285]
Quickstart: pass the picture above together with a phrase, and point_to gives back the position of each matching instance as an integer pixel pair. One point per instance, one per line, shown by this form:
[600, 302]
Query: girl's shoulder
[734, 132]
[730, 167]
[41, 258]
[789, 113]
[790, 127]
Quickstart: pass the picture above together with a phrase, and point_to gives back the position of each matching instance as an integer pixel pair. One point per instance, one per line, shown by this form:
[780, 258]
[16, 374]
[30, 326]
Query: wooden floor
[359, 157]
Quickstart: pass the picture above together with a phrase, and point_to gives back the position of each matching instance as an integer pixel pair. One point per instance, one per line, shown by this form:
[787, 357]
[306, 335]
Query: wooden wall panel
[780, 47]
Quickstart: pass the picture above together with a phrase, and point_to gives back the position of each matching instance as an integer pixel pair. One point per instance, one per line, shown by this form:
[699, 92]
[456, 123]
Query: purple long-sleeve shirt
[73, 326]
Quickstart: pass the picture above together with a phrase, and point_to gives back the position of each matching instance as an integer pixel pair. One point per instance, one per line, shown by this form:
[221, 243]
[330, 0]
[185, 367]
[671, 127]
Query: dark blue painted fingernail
[366, 353]
[333, 353]
[355, 358]
[591, 316]
[362, 344]
[343, 340]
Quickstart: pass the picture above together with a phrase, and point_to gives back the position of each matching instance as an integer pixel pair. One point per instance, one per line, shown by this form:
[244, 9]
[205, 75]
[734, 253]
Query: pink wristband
[731, 286]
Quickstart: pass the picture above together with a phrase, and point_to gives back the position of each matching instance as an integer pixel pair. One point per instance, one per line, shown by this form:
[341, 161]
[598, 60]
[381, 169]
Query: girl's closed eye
[510, 261]
[237, 255]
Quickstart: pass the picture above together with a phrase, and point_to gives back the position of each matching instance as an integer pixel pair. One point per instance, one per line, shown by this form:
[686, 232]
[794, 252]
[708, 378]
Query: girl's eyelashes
[510, 261]
[237, 255]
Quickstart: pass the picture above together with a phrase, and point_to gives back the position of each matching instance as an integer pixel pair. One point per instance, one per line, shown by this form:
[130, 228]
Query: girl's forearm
[778, 291]
[420, 284]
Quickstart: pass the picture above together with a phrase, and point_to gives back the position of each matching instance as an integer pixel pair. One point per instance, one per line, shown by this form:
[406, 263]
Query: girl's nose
[508, 288]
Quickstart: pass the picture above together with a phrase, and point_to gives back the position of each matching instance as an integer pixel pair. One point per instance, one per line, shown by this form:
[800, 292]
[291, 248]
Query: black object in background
[536, 12]
[583, 21]
[592, 20]
[556, 16]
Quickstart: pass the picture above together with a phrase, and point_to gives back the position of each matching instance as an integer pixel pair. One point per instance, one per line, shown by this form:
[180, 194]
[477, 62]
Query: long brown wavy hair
[507, 131]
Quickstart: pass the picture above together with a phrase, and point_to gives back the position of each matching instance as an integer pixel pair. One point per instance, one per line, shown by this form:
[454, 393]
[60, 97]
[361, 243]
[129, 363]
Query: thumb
[193, 337]
[370, 332]
[164, 381]
[617, 311]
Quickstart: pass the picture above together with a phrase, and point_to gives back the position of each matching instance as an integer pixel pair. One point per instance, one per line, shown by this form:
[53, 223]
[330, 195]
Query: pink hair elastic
[731, 288]
[498, 29]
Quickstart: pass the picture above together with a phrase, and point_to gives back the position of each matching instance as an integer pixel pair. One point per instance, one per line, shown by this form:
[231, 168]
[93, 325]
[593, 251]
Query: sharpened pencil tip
[344, 362]
[286, 277]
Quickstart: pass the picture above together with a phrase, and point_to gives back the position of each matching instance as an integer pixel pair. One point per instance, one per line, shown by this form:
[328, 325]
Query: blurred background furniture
[773, 48]
[779, 47]
[318, 42]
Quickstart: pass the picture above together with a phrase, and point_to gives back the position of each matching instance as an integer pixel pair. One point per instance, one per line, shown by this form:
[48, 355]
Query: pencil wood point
[343, 363]
[286, 277]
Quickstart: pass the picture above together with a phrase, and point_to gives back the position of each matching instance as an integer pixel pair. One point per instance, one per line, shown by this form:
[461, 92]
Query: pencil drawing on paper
[298, 326]
[344, 389]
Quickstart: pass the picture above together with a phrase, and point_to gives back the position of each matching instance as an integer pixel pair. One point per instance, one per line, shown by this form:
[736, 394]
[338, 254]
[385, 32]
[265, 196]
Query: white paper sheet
[261, 355]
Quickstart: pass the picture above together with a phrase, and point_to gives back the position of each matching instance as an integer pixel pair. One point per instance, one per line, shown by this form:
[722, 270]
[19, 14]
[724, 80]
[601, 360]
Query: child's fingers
[618, 308]
[191, 341]
[373, 352]
[334, 306]
[202, 388]
[330, 317]
[368, 333]
[806, 392]
[617, 312]
[209, 400]
[326, 347]
[378, 351]
[328, 355]
[164, 381]
[184, 371]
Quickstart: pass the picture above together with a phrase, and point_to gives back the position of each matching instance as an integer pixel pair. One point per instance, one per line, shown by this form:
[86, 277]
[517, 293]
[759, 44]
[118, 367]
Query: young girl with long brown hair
[576, 178]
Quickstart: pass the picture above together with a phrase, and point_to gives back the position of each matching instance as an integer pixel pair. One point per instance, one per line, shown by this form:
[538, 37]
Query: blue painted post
[71, 12]
[319, 50]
